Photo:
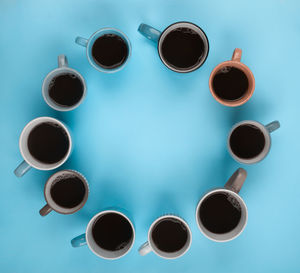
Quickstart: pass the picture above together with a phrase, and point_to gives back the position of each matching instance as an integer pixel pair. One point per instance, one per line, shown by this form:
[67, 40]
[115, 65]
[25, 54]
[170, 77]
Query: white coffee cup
[231, 188]
[31, 162]
[265, 129]
[62, 69]
[150, 245]
[87, 238]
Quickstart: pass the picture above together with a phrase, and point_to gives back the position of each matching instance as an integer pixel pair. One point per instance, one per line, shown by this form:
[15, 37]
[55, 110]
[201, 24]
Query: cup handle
[149, 32]
[272, 126]
[62, 61]
[237, 55]
[81, 41]
[145, 249]
[23, 168]
[236, 181]
[45, 210]
[79, 241]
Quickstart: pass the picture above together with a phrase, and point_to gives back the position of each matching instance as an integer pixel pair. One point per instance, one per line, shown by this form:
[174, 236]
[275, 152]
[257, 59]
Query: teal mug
[108, 49]
[182, 47]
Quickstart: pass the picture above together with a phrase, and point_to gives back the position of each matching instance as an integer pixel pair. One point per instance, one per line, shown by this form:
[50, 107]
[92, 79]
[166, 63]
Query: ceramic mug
[235, 62]
[184, 52]
[248, 145]
[89, 43]
[63, 194]
[109, 234]
[29, 160]
[230, 192]
[62, 70]
[153, 245]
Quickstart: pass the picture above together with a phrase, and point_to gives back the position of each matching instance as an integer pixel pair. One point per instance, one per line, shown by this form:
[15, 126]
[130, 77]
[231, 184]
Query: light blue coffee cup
[88, 43]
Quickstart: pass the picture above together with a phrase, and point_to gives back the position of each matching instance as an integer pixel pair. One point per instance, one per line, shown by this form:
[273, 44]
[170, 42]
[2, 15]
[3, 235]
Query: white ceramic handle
[145, 249]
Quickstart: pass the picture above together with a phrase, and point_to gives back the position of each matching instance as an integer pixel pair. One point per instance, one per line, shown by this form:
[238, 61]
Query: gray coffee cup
[266, 130]
[61, 70]
[52, 204]
[231, 190]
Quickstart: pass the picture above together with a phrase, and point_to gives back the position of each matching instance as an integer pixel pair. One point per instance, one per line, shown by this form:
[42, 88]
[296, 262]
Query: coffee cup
[64, 88]
[169, 237]
[221, 214]
[182, 47]
[65, 192]
[45, 144]
[110, 235]
[108, 49]
[250, 141]
[232, 83]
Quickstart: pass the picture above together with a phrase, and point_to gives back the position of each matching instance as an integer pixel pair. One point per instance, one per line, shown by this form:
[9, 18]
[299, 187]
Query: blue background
[148, 139]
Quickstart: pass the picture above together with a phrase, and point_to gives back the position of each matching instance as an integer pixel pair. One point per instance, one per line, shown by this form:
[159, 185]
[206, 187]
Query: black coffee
[48, 143]
[182, 48]
[68, 191]
[169, 235]
[247, 141]
[112, 231]
[220, 213]
[66, 89]
[230, 83]
[110, 51]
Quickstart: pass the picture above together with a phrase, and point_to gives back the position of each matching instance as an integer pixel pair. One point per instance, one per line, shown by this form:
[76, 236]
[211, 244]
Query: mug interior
[103, 253]
[170, 255]
[224, 237]
[32, 161]
[265, 150]
[54, 179]
[46, 83]
[188, 25]
[100, 33]
[251, 83]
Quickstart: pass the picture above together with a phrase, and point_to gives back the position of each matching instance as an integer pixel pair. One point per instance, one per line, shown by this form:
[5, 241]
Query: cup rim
[52, 103]
[150, 241]
[33, 164]
[262, 154]
[237, 196]
[249, 74]
[89, 229]
[53, 205]
[89, 45]
[173, 68]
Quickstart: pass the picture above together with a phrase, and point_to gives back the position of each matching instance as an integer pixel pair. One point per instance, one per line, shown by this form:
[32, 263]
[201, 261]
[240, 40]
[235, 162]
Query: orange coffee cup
[235, 62]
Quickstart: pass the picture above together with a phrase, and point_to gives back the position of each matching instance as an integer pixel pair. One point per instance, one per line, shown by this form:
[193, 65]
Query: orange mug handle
[237, 55]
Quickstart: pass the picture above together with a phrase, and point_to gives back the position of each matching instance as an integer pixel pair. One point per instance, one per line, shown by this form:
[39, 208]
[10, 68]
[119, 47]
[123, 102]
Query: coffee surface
[247, 141]
[182, 48]
[112, 231]
[230, 83]
[110, 51]
[169, 235]
[220, 213]
[68, 191]
[66, 89]
[48, 142]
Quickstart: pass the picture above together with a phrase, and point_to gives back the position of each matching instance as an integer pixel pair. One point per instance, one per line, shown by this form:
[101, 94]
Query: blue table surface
[150, 140]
